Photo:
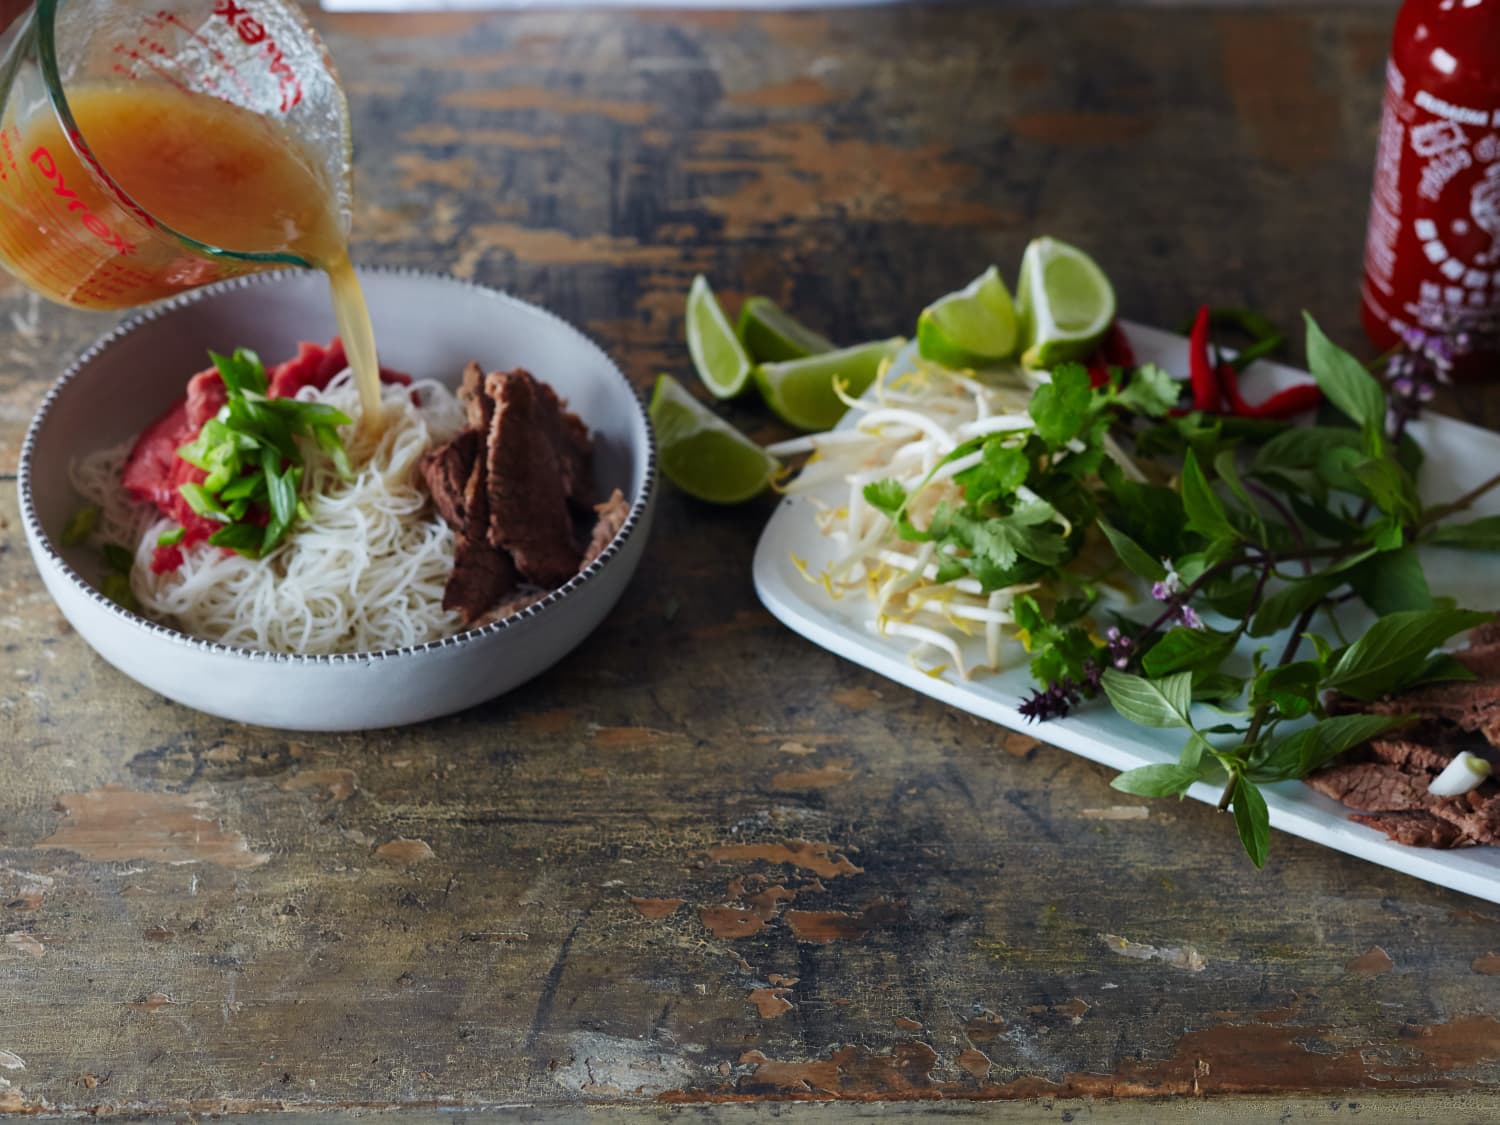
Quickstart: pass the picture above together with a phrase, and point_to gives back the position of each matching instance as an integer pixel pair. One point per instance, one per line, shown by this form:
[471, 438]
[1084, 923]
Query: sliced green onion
[283, 491]
[309, 414]
[251, 459]
[80, 525]
[251, 486]
[202, 501]
[243, 538]
[171, 538]
[330, 443]
[241, 372]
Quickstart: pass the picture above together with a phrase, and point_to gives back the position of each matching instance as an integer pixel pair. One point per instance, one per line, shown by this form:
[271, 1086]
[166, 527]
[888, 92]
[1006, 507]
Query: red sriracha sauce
[153, 471]
[1432, 254]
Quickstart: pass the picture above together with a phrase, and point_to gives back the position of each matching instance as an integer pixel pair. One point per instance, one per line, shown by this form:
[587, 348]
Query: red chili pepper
[1114, 350]
[1205, 383]
[1098, 370]
[1283, 404]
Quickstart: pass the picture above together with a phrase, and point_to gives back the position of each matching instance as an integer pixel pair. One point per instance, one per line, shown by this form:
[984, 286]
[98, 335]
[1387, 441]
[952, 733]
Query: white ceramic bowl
[428, 325]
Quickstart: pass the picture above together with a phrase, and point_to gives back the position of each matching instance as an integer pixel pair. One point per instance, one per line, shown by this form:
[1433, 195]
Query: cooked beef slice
[1388, 779]
[1371, 786]
[1483, 660]
[527, 489]
[570, 438]
[1473, 706]
[482, 573]
[1410, 755]
[1486, 634]
[1414, 829]
[477, 405]
[505, 485]
[446, 470]
[611, 516]
[481, 576]
[1381, 787]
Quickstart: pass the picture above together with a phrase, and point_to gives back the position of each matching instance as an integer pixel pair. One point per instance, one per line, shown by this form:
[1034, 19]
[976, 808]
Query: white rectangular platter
[1458, 457]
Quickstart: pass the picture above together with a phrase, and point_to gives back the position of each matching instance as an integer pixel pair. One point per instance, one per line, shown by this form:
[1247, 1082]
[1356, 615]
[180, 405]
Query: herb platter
[1458, 456]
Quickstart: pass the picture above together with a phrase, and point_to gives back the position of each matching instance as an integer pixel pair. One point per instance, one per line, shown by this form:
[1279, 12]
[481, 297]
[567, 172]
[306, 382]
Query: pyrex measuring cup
[67, 228]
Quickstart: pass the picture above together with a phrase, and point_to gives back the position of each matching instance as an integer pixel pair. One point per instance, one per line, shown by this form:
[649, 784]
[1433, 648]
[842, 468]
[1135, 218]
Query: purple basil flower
[1055, 701]
[1169, 587]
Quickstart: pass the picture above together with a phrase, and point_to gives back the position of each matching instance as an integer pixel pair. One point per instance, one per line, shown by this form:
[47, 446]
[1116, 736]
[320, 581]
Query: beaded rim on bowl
[32, 522]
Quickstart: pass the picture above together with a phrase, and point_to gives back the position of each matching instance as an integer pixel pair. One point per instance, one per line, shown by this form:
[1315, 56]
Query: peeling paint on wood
[1372, 962]
[835, 772]
[1117, 812]
[326, 785]
[115, 823]
[1178, 956]
[819, 858]
[771, 1002]
[975, 1063]
[152, 1002]
[405, 852]
[823, 926]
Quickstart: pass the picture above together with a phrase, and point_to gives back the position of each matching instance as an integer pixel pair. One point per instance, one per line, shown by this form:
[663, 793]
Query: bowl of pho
[235, 518]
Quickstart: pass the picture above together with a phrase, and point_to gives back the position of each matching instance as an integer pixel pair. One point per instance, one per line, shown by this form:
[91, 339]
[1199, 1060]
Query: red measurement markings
[252, 32]
[136, 57]
[50, 261]
[47, 166]
[33, 247]
[168, 18]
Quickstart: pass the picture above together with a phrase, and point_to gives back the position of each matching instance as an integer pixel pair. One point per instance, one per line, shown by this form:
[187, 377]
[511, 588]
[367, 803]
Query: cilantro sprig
[1026, 508]
[1262, 533]
[251, 451]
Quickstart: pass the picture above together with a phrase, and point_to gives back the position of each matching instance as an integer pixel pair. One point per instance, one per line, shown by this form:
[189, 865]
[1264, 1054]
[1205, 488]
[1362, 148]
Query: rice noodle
[364, 572]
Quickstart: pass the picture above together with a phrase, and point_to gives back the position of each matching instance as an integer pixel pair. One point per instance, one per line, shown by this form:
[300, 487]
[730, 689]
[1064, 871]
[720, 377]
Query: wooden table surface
[703, 860]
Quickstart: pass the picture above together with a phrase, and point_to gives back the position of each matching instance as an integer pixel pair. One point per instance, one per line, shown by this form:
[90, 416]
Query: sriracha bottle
[1432, 254]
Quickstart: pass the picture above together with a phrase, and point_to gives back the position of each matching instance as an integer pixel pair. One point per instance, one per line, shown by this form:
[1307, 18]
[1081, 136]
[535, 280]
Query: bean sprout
[905, 429]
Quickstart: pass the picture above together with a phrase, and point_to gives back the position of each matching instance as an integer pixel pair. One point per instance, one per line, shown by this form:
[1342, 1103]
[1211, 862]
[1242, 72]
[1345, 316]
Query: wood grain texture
[701, 860]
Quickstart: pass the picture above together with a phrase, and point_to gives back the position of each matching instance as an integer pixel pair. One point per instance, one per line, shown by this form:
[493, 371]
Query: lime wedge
[1064, 301]
[702, 454]
[971, 328]
[801, 392]
[771, 336]
[719, 357]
